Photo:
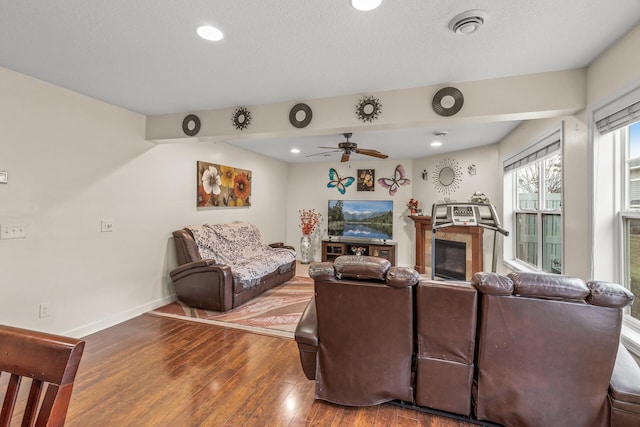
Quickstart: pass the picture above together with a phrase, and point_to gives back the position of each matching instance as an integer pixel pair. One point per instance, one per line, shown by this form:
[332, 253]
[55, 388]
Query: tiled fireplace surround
[471, 236]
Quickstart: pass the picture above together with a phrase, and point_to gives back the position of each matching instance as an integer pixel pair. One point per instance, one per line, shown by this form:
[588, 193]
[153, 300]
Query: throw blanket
[240, 246]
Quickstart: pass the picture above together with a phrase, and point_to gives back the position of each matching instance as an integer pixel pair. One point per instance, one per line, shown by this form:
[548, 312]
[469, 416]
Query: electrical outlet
[107, 225]
[13, 231]
[45, 309]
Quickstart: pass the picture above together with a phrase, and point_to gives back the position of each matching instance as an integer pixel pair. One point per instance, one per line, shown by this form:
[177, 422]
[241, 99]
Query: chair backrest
[364, 313]
[51, 362]
[186, 247]
[547, 347]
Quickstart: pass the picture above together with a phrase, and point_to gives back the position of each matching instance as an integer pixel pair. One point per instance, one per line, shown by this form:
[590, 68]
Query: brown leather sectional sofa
[523, 350]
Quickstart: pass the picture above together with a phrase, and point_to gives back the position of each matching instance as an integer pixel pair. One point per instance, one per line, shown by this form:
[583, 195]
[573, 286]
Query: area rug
[276, 312]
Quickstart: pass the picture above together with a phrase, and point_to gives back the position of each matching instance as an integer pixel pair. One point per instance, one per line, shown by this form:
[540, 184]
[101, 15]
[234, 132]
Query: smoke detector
[468, 22]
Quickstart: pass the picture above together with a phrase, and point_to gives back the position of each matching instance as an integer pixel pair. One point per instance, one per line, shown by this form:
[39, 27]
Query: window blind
[537, 151]
[619, 119]
[619, 113]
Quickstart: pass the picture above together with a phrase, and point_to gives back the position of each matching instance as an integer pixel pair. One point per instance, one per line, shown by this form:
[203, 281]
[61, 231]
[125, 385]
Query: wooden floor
[155, 371]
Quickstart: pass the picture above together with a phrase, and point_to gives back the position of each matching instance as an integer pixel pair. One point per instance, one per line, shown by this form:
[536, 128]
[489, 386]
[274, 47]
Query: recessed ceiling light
[210, 33]
[468, 22]
[365, 5]
[436, 144]
[295, 150]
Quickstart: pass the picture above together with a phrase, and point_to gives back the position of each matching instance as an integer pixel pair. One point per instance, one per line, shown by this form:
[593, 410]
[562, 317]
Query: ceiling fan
[347, 147]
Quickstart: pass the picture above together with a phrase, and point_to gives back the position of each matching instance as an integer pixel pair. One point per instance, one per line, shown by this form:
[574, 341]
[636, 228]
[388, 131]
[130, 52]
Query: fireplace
[451, 259]
[471, 236]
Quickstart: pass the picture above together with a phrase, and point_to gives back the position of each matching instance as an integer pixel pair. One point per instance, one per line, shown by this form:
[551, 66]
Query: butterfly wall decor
[337, 182]
[395, 181]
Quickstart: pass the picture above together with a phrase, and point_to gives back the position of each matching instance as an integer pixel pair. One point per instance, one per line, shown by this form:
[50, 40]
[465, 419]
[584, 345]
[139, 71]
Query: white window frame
[619, 209]
[510, 201]
[631, 336]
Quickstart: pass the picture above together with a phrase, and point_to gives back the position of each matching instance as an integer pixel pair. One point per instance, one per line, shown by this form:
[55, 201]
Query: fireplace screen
[451, 259]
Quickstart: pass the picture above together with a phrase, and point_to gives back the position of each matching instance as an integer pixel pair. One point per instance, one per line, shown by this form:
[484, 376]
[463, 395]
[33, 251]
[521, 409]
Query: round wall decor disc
[191, 125]
[447, 101]
[300, 115]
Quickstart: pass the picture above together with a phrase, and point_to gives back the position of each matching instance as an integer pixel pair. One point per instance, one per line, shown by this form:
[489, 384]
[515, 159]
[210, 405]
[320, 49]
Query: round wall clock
[191, 125]
[368, 109]
[241, 118]
[447, 101]
[300, 115]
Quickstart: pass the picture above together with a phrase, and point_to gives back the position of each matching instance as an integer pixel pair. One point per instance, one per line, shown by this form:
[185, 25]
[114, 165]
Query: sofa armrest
[306, 336]
[280, 245]
[204, 284]
[189, 267]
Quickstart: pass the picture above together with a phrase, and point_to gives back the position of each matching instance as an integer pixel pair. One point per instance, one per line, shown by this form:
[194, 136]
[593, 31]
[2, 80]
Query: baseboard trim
[109, 321]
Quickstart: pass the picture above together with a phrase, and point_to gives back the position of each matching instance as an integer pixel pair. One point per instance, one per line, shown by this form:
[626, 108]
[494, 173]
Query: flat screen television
[363, 219]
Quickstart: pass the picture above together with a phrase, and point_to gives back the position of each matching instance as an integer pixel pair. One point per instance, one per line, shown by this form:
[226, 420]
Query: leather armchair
[356, 337]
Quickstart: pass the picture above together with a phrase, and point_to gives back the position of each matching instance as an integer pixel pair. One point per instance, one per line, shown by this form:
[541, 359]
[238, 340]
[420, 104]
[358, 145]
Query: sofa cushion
[401, 277]
[492, 283]
[361, 267]
[322, 271]
[549, 286]
[609, 294]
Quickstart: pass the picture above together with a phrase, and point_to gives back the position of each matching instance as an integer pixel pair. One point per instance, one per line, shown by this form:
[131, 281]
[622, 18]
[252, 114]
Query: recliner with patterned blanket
[222, 266]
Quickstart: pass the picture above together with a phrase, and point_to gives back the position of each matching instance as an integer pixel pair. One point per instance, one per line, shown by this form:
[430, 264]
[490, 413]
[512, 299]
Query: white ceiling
[144, 55]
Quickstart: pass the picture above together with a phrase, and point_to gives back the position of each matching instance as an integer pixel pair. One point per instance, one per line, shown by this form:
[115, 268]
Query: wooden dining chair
[51, 362]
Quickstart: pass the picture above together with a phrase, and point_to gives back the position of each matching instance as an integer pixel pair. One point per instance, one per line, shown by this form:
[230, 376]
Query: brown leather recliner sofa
[222, 266]
[520, 350]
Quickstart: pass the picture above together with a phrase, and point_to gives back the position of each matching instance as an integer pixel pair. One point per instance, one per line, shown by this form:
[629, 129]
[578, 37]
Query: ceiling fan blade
[374, 153]
[331, 148]
[345, 157]
[323, 153]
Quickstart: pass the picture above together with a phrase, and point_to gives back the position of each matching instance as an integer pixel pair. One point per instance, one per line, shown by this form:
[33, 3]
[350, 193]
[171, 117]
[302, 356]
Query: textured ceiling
[144, 55]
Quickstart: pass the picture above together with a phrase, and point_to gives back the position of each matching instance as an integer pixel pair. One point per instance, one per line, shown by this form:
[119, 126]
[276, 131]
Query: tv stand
[333, 248]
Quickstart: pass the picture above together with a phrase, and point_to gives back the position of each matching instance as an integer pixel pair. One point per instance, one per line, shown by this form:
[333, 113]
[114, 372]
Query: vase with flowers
[413, 204]
[358, 250]
[309, 220]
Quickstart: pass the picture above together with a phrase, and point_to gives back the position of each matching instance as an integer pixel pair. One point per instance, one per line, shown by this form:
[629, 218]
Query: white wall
[73, 161]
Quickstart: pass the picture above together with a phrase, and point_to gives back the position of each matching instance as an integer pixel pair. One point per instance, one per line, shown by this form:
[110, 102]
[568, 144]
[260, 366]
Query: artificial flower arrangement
[358, 250]
[309, 220]
[479, 197]
[412, 204]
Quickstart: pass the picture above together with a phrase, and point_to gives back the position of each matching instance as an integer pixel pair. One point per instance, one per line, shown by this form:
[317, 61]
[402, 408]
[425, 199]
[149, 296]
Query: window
[533, 198]
[630, 137]
[615, 232]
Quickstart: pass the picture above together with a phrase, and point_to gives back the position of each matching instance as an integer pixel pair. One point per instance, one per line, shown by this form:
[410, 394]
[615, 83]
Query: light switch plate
[4, 177]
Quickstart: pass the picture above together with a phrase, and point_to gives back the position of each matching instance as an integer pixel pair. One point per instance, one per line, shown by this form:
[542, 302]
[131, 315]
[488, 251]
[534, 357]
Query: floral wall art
[366, 180]
[223, 186]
